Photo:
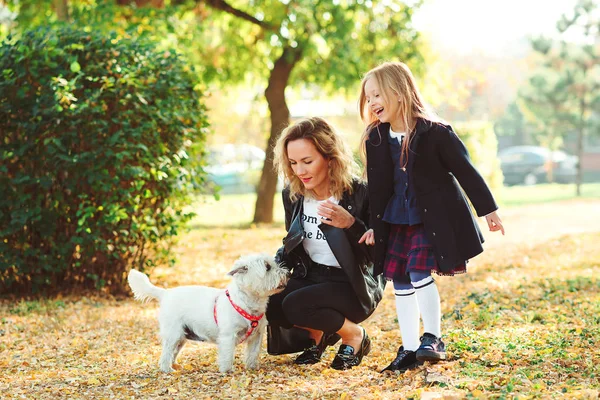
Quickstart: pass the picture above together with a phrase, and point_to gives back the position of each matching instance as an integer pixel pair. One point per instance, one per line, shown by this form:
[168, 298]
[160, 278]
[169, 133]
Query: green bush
[480, 139]
[94, 138]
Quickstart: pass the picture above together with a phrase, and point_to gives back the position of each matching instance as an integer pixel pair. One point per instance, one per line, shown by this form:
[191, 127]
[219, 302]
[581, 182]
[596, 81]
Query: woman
[332, 288]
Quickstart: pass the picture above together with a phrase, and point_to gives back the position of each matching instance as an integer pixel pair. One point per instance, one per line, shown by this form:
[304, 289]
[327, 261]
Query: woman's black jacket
[355, 259]
[438, 161]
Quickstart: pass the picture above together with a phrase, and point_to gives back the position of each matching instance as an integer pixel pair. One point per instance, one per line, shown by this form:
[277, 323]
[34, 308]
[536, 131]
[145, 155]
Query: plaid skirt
[409, 250]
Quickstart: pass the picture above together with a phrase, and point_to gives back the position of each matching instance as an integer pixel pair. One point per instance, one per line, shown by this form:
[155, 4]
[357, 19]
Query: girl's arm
[455, 158]
[494, 222]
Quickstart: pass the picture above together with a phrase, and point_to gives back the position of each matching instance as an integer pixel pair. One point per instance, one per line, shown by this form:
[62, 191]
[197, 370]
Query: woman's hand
[368, 237]
[334, 215]
[494, 222]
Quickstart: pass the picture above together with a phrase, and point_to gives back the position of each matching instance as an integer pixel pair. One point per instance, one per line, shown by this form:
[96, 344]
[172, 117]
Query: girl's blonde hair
[329, 144]
[396, 81]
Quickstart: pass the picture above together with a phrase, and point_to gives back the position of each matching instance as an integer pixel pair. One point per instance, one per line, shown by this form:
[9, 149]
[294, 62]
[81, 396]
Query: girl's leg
[432, 347]
[428, 297]
[407, 309]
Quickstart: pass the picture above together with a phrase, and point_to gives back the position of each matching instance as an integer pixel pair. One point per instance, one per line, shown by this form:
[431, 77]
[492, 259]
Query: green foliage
[176, 26]
[325, 44]
[95, 133]
[548, 105]
[563, 93]
[32, 12]
[514, 123]
[337, 42]
[346, 39]
[481, 142]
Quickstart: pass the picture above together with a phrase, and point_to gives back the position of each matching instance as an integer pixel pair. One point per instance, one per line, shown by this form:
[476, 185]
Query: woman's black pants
[321, 301]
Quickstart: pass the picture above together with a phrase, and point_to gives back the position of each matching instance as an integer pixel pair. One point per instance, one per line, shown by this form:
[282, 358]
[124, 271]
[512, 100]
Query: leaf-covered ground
[524, 322]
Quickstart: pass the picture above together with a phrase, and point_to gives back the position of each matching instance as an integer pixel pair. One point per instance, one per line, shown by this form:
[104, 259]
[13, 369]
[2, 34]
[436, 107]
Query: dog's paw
[225, 369]
[167, 369]
[253, 365]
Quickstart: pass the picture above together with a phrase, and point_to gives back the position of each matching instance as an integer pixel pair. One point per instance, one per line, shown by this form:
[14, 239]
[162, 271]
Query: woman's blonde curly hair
[329, 144]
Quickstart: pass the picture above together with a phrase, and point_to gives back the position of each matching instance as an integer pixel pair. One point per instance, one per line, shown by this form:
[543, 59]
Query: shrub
[94, 135]
[481, 142]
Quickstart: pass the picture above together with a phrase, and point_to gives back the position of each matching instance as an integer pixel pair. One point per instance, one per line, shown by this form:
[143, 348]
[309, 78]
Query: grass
[511, 196]
[232, 210]
[539, 327]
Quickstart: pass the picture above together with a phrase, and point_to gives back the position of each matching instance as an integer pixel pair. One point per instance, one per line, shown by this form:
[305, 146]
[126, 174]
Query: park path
[531, 225]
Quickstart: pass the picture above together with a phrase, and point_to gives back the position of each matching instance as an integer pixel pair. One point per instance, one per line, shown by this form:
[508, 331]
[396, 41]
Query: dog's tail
[142, 289]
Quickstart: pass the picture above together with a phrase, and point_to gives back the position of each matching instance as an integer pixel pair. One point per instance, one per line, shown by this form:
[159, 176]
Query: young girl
[420, 220]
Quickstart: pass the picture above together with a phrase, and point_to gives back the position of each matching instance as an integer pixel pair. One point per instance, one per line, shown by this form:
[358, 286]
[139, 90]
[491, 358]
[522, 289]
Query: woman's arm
[365, 246]
[287, 207]
[355, 234]
[280, 257]
[353, 225]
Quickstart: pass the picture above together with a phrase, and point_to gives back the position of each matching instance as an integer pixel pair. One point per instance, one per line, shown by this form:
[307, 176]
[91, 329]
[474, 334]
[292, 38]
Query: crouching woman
[332, 288]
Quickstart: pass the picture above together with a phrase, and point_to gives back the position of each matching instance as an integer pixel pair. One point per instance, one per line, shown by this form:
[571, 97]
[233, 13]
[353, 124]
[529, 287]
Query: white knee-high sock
[407, 309]
[428, 298]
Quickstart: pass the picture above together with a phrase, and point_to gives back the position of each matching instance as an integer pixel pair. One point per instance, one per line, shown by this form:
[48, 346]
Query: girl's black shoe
[432, 349]
[345, 357]
[312, 355]
[405, 360]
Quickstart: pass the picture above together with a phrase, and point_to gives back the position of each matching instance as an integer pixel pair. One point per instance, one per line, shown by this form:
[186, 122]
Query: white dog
[223, 316]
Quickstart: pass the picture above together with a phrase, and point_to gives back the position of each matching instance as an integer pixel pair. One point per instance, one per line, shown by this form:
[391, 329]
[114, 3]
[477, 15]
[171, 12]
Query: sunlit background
[135, 134]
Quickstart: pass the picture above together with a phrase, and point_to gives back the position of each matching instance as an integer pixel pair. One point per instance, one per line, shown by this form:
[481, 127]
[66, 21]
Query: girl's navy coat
[437, 159]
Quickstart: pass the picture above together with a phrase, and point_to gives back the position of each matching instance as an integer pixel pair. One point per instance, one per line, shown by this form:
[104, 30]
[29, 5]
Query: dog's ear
[238, 268]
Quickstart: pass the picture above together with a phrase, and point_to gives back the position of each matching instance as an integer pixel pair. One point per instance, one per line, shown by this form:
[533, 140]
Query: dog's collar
[252, 318]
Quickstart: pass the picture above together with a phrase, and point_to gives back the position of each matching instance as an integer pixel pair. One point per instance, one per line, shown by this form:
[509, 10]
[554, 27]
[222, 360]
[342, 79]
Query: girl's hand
[368, 237]
[494, 222]
[334, 215]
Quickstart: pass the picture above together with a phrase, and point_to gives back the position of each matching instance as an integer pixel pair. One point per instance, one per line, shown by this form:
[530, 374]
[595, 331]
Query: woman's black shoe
[345, 357]
[405, 360]
[312, 355]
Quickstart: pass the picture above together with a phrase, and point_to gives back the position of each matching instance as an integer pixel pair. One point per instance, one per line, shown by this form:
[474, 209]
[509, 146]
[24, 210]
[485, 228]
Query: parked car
[529, 165]
[235, 168]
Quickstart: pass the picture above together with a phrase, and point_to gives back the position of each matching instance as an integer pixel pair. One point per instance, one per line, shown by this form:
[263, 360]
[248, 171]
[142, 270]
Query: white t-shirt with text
[315, 243]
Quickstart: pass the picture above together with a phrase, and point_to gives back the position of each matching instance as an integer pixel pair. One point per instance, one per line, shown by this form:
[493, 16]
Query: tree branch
[224, 6]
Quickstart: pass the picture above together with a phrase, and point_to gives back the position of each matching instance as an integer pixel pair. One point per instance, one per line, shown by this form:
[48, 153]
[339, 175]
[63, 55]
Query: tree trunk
[62, 9]
[280, 118]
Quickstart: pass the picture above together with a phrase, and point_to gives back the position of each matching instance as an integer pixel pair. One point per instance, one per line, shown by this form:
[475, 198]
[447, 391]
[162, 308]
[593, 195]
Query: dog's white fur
[186, 312]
